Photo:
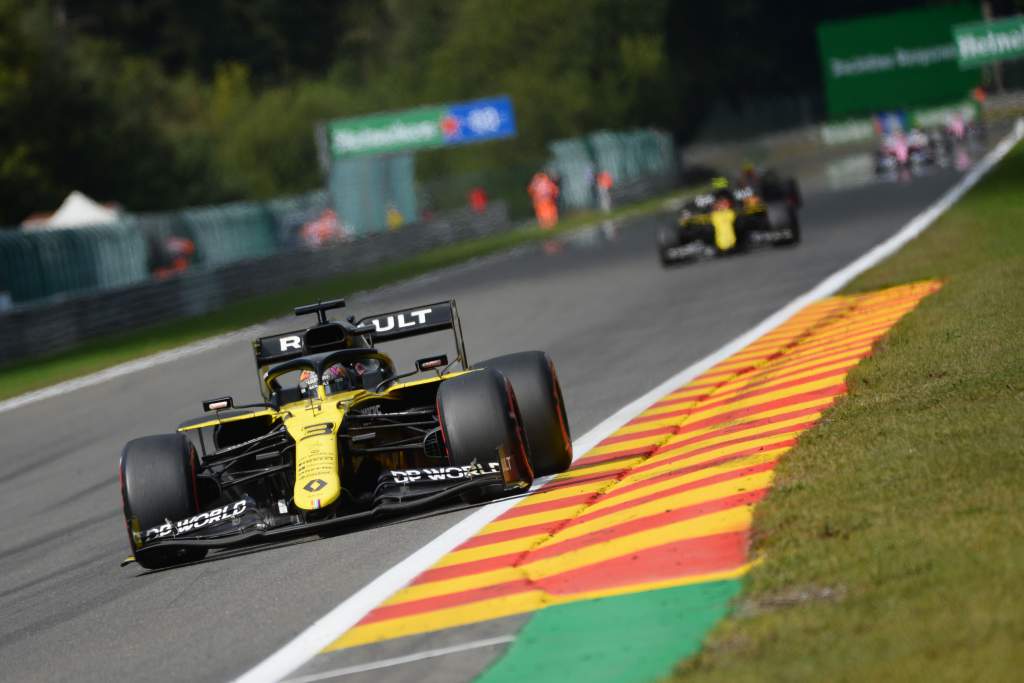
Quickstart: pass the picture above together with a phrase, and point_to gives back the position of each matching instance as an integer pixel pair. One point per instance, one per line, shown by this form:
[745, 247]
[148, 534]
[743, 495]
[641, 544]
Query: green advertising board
[894, 61]
[386, 133]
[984, 42]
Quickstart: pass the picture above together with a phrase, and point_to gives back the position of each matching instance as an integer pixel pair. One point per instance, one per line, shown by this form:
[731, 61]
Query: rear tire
[783, 213]
[158, 483]
[667, 238]
[539, 396]
[480, 421]
[794, 225]
[796, 199]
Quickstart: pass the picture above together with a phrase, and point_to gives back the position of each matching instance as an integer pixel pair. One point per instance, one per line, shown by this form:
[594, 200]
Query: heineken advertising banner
[981, 42]
[894, 61]
[422, 128]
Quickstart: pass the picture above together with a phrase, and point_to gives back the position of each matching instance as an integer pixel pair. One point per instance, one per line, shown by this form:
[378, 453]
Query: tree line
[160, 104]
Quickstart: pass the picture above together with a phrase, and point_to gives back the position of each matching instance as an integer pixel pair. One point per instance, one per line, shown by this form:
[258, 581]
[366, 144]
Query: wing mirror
[422, 365]
[432, 362]
[222, 403]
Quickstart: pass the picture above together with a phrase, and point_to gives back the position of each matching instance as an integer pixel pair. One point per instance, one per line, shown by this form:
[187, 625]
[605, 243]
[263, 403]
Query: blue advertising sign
[421, 128]
[479, 120]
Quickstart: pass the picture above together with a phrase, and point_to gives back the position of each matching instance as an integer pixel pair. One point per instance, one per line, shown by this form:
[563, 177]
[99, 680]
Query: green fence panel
[232, 232]
[626, 155]
[61, 264]
[120, 257]
[51, 262]
[608, 154]
[401, 170]
[21, 275]
[352, 194]
[362, 189]
[291, 213]
[573, 161]
[655, 152]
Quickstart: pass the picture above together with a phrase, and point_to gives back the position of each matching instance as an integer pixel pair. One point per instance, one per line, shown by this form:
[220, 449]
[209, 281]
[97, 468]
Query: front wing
[242, 522]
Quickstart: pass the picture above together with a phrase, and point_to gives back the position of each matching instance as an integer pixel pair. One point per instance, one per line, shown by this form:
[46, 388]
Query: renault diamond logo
[314, 485]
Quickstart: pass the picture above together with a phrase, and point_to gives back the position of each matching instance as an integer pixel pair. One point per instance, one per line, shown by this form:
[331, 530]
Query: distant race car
[910, 152]
[340, 438]
[901, 155]
[732, 218]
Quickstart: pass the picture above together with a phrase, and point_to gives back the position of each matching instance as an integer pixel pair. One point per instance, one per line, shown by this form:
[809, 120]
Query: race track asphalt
[614, 321]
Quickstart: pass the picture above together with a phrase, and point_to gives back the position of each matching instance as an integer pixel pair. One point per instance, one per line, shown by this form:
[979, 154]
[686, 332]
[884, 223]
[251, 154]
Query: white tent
[77, 210]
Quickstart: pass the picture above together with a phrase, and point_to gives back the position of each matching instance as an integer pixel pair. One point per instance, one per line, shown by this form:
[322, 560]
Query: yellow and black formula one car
[340, 437]
[733, 218]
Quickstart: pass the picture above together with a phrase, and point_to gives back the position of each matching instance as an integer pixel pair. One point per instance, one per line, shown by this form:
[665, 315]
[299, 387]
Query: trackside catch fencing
[62, 286]
[630, 156]
[55, 326]
[44, 264]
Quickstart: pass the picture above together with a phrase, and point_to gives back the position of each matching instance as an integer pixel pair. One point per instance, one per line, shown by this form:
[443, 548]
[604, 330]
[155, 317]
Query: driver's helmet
[719, 183]
[333, 377]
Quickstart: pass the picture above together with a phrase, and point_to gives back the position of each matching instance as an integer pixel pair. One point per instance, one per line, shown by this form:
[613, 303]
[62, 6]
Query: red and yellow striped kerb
[666, 500]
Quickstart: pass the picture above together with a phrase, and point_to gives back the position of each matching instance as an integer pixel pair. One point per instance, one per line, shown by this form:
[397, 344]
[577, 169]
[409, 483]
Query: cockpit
[336, 371]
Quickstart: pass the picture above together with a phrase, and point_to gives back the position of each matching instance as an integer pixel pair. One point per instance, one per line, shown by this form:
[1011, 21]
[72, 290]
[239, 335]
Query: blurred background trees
[160, 103]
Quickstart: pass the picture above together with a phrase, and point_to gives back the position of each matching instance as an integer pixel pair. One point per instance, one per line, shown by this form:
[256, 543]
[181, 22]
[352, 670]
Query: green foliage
[162, 104]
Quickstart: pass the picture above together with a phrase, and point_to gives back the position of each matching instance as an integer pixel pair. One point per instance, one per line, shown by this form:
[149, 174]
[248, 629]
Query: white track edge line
[405, 659]
[307, 644]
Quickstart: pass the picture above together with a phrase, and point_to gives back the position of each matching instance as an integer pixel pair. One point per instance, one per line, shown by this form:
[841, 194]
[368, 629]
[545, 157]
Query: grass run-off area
[102, 353]
[892, 543]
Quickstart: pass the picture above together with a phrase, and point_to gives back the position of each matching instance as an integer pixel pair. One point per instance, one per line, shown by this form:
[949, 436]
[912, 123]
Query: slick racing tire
[795, 197]
[539, 396]
[667, 238]
[782, 215]
[794, 228]
[158, 483]
[480, 423]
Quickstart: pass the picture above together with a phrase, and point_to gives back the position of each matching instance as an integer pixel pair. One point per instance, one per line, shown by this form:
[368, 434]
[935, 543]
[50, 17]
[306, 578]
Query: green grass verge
[104, 352]
[893, 539]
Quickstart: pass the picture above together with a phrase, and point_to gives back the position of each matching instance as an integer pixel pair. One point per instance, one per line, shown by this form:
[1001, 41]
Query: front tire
[481, 424]
[533, 378]
[158, 483]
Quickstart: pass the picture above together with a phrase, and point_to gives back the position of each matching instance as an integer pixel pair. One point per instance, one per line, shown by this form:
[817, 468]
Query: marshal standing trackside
[340, 437]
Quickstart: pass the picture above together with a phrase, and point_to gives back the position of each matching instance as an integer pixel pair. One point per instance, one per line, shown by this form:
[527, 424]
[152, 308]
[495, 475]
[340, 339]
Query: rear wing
[276, 348]
[383, 327]
[410, 322]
